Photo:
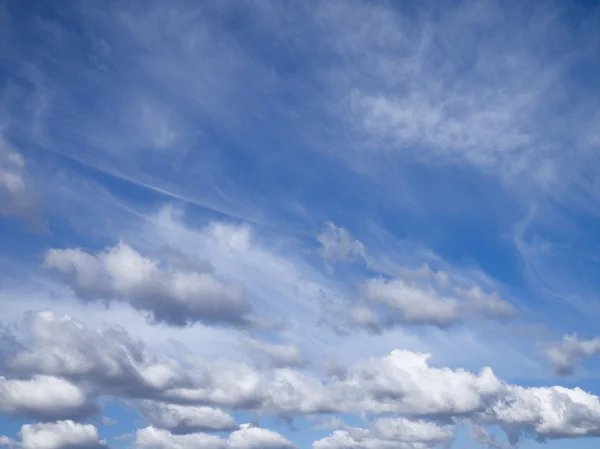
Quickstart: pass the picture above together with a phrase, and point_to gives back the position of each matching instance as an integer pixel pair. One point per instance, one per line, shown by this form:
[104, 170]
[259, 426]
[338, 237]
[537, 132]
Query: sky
[341, 224]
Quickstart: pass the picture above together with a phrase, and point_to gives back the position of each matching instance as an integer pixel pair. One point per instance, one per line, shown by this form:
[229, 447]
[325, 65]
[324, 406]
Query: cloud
[416, 306]
[110, 359]
[565, 356]
[245, 438]
[60, 435]
[337, 245]
[278, 355]
[6, 441]
[170, 296]
[249, 437]
[411, 297]
[388, 433]
[402, 382]
[44, 398]
[551, 412]
[153, 438]
[17, 196]
[179, 419]
[115, 364]
[389, 303]
[428, 86]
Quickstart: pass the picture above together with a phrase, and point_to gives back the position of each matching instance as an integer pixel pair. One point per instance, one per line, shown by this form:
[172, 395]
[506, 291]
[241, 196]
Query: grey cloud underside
[111, 363]
[169, 295]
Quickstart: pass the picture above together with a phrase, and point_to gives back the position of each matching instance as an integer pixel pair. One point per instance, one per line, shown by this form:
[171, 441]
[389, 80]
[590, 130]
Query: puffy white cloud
[245, 438]
[278, 355]
[249, 437]
[402, 429]
[116, 364]
[413, 305]
[17, 196]
[402, 383]
[549, 412]
[43, 398]
[170, 296]
[153, 438]
[389, 303]
[60, 435]
[566, 356]
[109, 359]
[388, 433]
[6, 441]
[181, 419]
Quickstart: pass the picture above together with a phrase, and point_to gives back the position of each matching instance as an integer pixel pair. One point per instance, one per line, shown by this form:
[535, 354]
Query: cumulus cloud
[549, 412]
[388, 303]
[565, 356]
[109, 359]
[43, 398]
[414, 305]
[153, 438]
[249, 437]
[17, 196]
[170, 296]
[118, 365]
[388, 433]
[180, 419]
[245, 438]
[60, 435]
[278, 355]
[402, 383]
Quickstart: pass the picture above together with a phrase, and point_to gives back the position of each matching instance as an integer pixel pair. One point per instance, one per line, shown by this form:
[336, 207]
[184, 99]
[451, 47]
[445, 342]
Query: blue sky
[327, 225]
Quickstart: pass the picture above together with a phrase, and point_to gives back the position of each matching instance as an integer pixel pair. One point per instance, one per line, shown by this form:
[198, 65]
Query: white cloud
[550, 412]
[170, 296]
[6, 441]
[565, 356]
[153, 438]
[432, 88]
[421, 296]
[257, 438]
[43, 398]
[245, 438]
[60, 435]
[415, 305]
[180, 419]
[402, 382]
[389, 433]
[389, 303]
[110, 359]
